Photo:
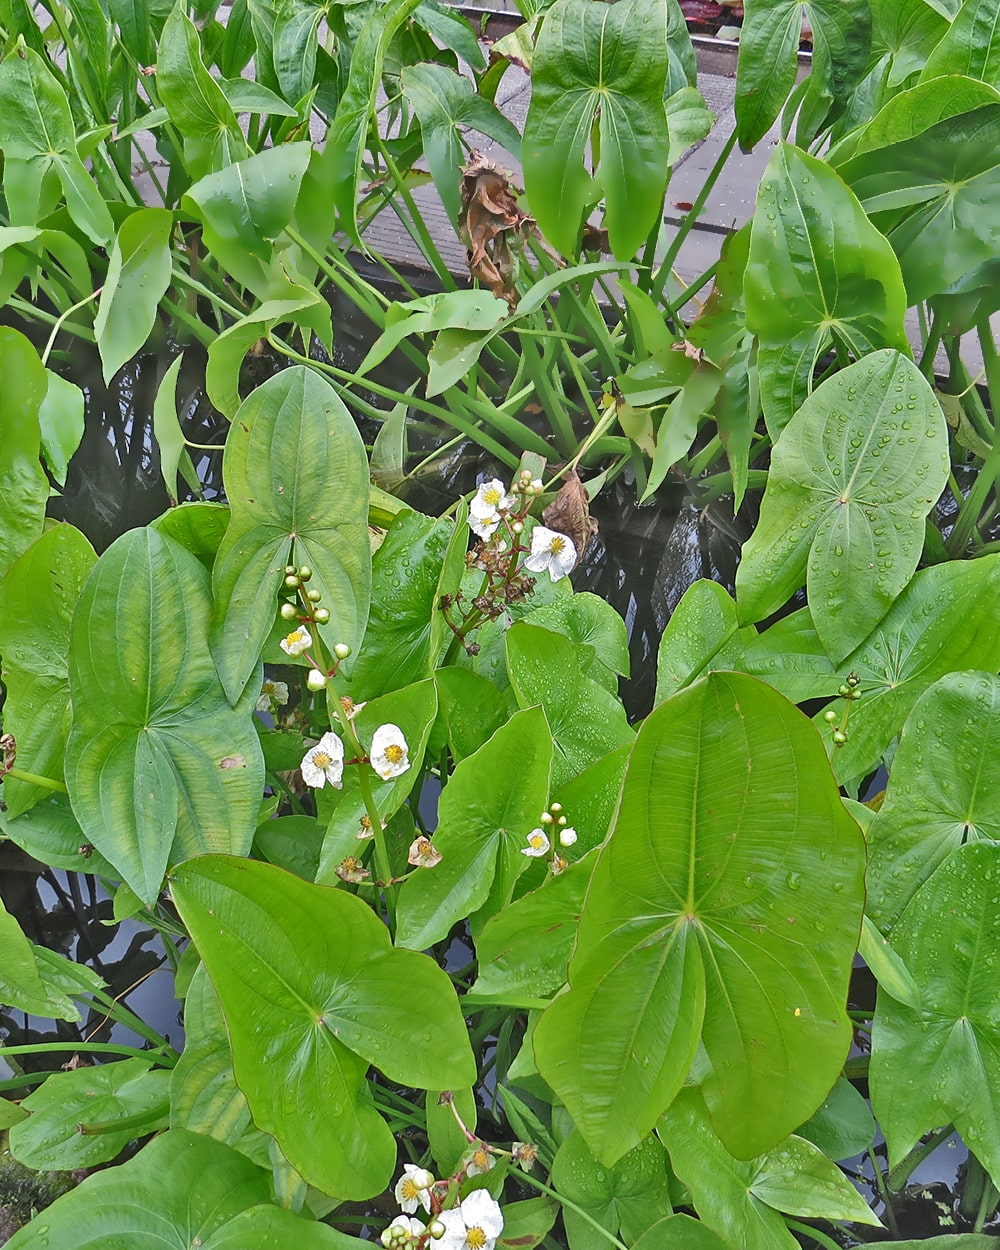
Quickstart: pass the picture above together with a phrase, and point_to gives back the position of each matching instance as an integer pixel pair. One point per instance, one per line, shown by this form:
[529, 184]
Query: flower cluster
[474, 1224]
[389, 757]
[539, 842]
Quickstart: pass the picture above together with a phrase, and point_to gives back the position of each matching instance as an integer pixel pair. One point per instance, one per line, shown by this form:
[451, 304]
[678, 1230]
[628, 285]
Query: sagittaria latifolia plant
[648, 1034]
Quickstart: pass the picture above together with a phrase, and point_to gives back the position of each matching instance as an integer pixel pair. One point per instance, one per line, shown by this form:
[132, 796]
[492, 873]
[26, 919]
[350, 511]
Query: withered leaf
[569, 513]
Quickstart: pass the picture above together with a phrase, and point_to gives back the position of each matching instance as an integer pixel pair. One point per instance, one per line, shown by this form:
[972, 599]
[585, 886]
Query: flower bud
[342, 650]
[839, 737]
[555, 808]
[561, 821]
[518, 527]
[829, 715]
[288, 611]
[546, 818]
[289, 570]
[321, 616]
[305, 573]
[436, 1229]
[316, 680]
[844, 691]
[314, 596]
[291, 581]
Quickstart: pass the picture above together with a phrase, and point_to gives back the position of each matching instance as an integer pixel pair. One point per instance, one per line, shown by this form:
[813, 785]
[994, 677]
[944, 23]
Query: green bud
[314, 596]
[322, 615]
[288, 611]
[289, 570]
[342, 650]
[839, 737]
[305, 573]
[546, 818]
[844, 691]
[316, 680]
[436, 1229]
[291, 581]
[556, 808]
[829, 716]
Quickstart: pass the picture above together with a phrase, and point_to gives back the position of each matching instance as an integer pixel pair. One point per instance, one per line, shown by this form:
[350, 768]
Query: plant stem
[33, 779]
[97, 1048]
[584, 1215]
[900, 1174]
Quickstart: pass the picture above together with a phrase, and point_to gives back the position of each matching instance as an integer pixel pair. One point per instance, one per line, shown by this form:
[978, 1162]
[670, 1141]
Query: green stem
[138, 1125]
[33, 779]
[86, 1048]
[584, 1215]
[419, 232]
[62, 317]
[884, 1194]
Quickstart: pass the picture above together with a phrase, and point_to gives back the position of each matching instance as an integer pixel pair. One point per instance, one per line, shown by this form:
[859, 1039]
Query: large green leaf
[593, 625]
[818, 273]
[944, 621]
[586, 720]
[941, 1064]
[703, 633]
[948, 177]
[626, 1198]
[607, 62]
[768, 61]
[137, 279]
[181, 1190]
[43, 585]
[340, 168]
[313, 992]
[740, 1199]
[24, 488]
[24, 984]
[405, 572]
[853, 476]
[844, 1126]
[681, 1232]
[971, 45]
[158, 764]
[944, 790]
[60, 419]
[36, 135]
[444, 100]
[724, 908]
[485, 813]
[73, 1114]
[296, 477]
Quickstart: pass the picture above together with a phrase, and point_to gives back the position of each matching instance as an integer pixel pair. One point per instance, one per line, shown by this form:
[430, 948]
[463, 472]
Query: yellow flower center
[491, 496]
[536, 841]
[268, 688]
[557, 545]
[481, 1159]
[321, 759]
[366, 822]
[475, 1238]
[409, 1190]
[294, 637]
[350, 864]
[394, 753]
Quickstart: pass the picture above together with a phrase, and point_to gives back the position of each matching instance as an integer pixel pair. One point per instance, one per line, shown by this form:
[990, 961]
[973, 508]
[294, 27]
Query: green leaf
[246, 96]
[768, 60]
[264, 1227]
[158, 765]
[313, 992]
[49, 832]
[452, 30]
[885, 965]
[43, 585]
[844, 1126]
[473, 709]
[296, 477]
[941, 1064]
[703, 634]
[466, 310]
[818, 273]
[717, 912]
[630, 1196]
[204, 1096]
[590, 622]
[586, 720]
[197, 526]
[853, 476]
[526, 1223]
[523, 951]
[73, 1114]
[944, 621]
[446, 1141]
[688, 121]
[405, 572]
[944, 790]
[949, 178]
[678, 426]
[138, 276]
[341, 167]
[23, 984]
[485, 812]
[178, 1189]
[37, 133]
[612, 60]
[681, 1232]
[444, 100]
[60, 421]
[971, 45]
[195, 101]
[741, 1199]
[169, 435]
[24, 488]
[226, 353]
[247, 205]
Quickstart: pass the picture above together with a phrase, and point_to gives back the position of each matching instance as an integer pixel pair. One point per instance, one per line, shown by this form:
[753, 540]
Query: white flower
[479, 1161]
[324, 763]
[551, 551]
[567, 836]
[409, 1234]
[297, 642]
[413, 1187]
[272, 694]
[538, 844]
[475, 1225]
[389, 754]
[487, 508]
[423, 854]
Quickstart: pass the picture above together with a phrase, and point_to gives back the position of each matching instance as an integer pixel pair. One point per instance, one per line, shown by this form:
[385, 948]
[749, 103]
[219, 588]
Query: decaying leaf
[488, 223]
[569, 513]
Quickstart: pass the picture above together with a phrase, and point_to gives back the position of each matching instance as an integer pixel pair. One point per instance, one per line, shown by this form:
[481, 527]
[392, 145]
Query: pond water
[641, 562]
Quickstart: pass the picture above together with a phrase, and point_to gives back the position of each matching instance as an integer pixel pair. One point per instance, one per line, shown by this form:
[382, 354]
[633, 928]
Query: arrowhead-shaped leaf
[725, 907]
[296, 477]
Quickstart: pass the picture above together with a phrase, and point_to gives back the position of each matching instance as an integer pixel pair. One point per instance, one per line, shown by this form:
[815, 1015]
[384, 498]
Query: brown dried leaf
[488, 220]
[569, 514]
